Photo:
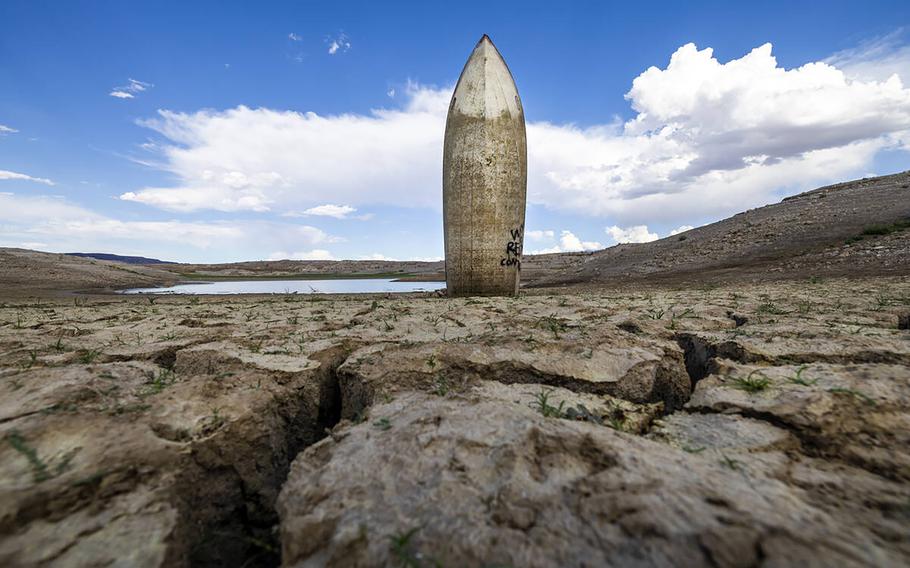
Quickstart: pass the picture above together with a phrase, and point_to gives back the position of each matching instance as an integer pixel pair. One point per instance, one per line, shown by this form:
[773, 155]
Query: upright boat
[484, 178]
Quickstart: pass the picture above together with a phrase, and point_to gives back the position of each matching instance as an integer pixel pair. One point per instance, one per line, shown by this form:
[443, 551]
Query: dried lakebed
[733, 426]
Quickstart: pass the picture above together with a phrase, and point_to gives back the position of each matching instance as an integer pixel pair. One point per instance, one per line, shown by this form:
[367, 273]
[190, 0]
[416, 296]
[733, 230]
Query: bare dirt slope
[29, 272]
[817, 233]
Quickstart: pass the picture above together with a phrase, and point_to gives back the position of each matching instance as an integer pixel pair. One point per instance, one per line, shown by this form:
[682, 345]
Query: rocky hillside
[31, 272]
[857, 228]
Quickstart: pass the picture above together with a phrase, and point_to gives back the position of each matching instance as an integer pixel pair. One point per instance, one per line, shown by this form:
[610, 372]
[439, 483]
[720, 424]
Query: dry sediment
[723, 426]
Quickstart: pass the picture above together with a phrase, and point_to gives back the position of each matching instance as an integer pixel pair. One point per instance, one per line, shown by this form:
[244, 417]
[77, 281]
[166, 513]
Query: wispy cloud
[4, 130]
[327, 210]
[6, 174]
[315, 254]
[131, 89]
[295, 37]
[65, 226]
[876, 59]
[339, 44]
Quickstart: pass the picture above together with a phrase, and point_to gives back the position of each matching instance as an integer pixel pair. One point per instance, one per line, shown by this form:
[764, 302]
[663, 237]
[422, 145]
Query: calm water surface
[340, 286]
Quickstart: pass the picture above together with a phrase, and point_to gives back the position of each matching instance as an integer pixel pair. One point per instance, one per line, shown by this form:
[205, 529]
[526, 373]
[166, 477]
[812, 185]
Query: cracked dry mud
[731, 426]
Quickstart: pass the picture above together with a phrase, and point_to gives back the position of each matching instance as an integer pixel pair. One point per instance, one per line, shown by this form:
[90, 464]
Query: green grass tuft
[541, 403]
[751, 383]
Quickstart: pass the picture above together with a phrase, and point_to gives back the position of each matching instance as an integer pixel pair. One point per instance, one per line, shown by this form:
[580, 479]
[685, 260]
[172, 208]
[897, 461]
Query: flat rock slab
[637, 370]
[490, 484]
[694, 432]
[859, 413]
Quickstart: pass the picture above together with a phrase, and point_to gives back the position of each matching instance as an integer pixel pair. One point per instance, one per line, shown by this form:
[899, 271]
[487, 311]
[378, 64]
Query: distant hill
[26, 272]
[856, 228]
[118, 258]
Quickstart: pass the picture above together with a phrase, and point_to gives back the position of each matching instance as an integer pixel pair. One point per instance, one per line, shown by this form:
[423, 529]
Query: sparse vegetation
[213, 421]
[553, 324]
[88, 356]
[799, 380]
[881, 230]
[541, 403]
[41, 470]
[402, 550]
[655, 313]
[441, 385]
[754, 382]
[767, 306]
[157, 382]
[881, 302]
[854, 393]
[729, 462]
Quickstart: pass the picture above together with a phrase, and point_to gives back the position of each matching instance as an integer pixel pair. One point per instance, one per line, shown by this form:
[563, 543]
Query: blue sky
[216, 131]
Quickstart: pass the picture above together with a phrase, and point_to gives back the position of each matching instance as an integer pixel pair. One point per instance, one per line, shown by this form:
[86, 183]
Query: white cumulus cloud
[568, 242]
[540, 235]
[708, 139]
[7, 130]
[261, 159]
[636, 234]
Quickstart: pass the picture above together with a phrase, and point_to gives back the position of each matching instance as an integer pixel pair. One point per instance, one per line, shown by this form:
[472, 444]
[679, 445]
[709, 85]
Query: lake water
[339, 286]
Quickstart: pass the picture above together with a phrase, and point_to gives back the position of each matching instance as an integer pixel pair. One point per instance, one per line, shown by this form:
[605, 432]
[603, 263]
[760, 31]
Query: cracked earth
[741, 425]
